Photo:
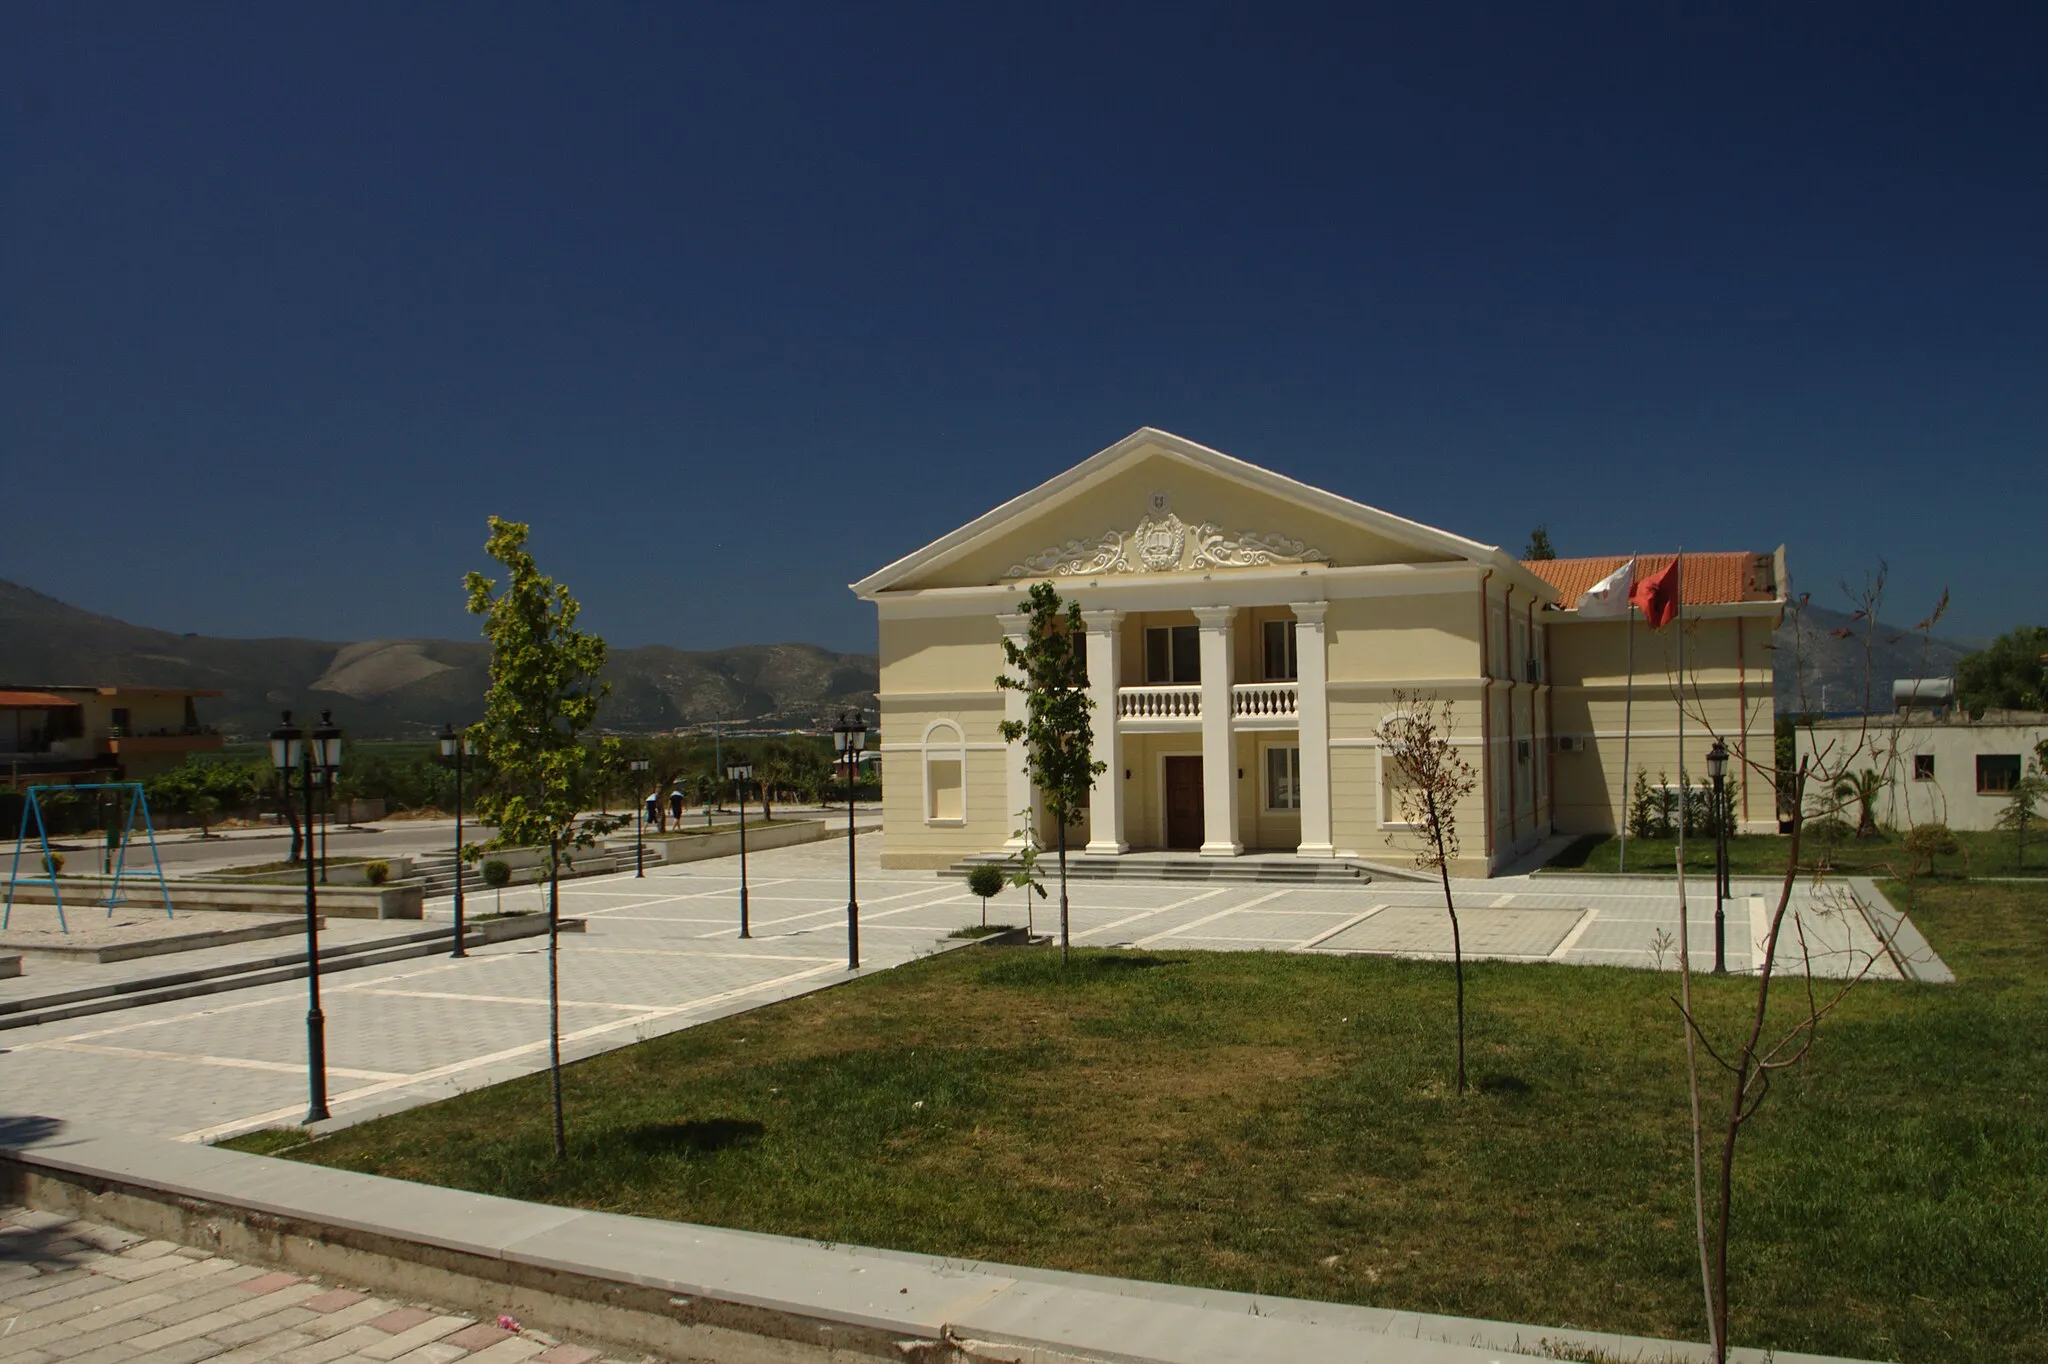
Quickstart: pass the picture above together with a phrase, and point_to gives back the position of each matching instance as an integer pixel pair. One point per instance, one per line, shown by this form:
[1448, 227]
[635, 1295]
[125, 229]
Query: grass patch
[982, 930]
[1285, 1125]
[1985, 854]
[268, 1141]
[730, 826]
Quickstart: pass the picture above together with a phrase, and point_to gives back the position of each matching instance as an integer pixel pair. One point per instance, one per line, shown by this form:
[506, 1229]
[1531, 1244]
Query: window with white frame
[1283, 777]
[1279, 651]
[1394, 784]
[1173, 654]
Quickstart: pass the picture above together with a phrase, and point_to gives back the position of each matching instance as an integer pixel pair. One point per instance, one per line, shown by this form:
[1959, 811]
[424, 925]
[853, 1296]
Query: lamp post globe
[849, 736]
[740, 772]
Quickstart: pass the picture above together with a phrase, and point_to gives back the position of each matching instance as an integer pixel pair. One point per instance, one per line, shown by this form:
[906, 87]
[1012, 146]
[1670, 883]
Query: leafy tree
[1058, 739]
[2012, 674]
[1539, 545]
[1433, 778]
[544, 693]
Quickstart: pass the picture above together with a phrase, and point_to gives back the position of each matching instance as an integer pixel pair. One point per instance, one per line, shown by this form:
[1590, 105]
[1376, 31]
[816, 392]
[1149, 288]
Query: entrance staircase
[439, 872]
[1254, 868]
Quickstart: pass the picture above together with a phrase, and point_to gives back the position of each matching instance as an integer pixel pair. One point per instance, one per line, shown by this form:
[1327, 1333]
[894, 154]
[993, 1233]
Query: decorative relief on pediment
[1165, 544]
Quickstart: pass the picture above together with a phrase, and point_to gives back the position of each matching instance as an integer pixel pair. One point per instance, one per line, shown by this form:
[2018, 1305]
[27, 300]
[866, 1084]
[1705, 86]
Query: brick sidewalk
[85, 1294]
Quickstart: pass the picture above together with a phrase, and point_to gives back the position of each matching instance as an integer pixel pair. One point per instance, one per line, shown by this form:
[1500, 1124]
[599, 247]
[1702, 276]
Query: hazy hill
[1834, 668]
[400, 688]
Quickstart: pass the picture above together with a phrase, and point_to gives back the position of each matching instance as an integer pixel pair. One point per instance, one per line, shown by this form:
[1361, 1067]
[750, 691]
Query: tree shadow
[26, 1129]
[698, 1137]
[1110, 963]
[1505, 1086]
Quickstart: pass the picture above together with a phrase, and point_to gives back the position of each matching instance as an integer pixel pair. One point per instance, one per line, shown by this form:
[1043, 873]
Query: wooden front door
[1183, 802]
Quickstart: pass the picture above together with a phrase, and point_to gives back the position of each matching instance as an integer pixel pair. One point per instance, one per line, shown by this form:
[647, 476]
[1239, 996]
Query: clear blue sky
[736, 303]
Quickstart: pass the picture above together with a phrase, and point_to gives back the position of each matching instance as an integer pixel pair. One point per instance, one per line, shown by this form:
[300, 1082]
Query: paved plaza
[662, 953]
[87, 1294]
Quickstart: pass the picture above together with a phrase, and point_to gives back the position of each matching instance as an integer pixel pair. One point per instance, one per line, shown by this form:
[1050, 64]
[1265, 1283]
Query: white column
[1017, 783]
[1219, 751]
[1312, 673]
[1105, 670]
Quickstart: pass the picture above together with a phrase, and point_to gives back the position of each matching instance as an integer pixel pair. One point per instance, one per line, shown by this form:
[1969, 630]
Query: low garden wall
[393, 900]
[725, 841]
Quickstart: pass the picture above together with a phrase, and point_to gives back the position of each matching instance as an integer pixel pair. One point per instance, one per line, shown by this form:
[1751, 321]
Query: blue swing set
[32, 813]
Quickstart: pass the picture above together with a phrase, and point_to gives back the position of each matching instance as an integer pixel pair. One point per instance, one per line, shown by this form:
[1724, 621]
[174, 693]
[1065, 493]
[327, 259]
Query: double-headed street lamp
[740, 773]
[455, 752]
[637, 766]
[849, 736]
[1717, 767]
[320, 752]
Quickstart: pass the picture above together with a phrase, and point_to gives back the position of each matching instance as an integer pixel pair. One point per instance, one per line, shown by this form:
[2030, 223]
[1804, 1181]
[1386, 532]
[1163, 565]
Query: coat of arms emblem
[1159, 544]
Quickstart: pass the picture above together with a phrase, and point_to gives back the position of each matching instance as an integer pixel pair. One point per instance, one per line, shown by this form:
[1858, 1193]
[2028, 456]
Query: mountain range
[408, 688]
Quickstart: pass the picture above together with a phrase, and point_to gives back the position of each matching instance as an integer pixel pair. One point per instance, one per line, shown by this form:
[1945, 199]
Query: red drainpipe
[1742, 714]
[1507, 616]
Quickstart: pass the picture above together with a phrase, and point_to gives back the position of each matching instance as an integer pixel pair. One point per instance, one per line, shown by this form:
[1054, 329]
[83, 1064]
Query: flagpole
[1628, 706]
[1699, 1171]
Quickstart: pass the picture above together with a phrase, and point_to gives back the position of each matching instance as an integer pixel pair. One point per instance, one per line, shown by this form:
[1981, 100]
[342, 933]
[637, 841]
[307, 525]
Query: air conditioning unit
[1568, 743]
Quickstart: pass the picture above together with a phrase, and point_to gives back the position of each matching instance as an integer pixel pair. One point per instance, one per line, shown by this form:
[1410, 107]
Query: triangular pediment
[1156, 503]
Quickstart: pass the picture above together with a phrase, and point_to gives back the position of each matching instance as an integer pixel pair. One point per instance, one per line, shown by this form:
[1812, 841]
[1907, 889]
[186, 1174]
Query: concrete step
[1180, 869]
[269, 970]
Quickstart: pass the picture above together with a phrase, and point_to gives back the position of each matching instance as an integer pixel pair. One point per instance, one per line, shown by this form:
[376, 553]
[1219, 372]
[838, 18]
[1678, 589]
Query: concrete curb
[212, 980]
[695, 1291]
[1910, 951]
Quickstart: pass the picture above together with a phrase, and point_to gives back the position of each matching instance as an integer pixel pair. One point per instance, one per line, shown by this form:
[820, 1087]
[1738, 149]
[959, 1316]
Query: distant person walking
[653, 809]
[675, 804]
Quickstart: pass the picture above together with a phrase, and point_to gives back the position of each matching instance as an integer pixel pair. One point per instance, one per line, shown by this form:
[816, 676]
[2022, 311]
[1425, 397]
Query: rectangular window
[1283, 778]
[1280, 665]
[1173, 654]
[120, 719]
[1997, 773]
[1923, 767]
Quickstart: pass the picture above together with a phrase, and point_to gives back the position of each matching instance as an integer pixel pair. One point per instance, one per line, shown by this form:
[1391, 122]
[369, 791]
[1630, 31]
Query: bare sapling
[1431, 777]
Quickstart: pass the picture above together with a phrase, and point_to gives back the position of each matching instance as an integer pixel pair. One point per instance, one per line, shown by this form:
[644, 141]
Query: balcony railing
[1265, 700]
[1159, 703]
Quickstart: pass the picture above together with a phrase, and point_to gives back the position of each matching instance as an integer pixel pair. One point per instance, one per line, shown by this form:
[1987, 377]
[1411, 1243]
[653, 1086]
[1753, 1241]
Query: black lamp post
[290, 750]
[740, 773]
[454, 749]
[849, 736]
[1717, 767]
[638, 765]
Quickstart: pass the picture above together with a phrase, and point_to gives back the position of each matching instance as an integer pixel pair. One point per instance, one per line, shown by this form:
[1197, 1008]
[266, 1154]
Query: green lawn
[1984, 854]
[1284, 1124]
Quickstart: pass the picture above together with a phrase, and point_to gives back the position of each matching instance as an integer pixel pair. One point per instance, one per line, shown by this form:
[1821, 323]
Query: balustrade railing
[1265, 699]
[1159, 703]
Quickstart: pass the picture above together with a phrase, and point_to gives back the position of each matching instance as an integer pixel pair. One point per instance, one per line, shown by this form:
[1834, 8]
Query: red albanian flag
[1658, 596]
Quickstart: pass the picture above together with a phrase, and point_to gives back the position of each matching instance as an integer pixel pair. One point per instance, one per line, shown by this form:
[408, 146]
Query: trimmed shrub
[54, 863]
[376, 873]
[496, 874]
[1925, 842]
[986, 880]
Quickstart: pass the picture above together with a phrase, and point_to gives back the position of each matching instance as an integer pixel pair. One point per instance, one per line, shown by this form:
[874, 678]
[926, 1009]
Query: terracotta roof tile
[33, 700]
[1708, 579]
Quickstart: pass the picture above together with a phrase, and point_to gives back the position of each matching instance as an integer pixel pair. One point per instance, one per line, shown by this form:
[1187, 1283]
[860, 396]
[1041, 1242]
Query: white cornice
[1097, 467]
[1185, 591]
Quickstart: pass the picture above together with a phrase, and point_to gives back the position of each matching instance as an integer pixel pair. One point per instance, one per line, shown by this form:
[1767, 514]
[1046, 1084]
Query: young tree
[1767, 1042]
[1058, 739]
[2020, 814]
[984, 880]
[1539, 545]
[543, 695]
[1863, 788]
[1432, 777]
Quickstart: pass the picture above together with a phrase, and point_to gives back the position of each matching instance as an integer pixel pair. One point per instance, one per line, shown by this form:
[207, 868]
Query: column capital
[1102, 620]
[1215, 617]
[1309, 612]
[1012, 622]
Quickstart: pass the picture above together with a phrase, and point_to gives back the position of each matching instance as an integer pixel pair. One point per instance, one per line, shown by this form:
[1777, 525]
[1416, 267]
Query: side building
[70, 735]
[1246, 635]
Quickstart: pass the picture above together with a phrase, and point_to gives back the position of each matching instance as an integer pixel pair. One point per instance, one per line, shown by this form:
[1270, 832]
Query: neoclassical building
[1247, 633]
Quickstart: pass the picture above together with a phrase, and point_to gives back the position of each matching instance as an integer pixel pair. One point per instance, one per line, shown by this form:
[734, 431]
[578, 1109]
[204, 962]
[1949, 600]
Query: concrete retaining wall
[726, 841]
[393, 900]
